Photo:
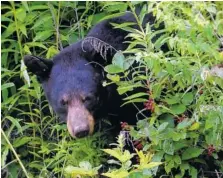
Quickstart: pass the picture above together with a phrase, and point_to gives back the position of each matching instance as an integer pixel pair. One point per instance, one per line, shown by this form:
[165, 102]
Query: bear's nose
[82, 134]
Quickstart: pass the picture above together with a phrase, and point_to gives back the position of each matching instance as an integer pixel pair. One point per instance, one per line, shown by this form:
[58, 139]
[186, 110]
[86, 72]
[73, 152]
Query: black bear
[72, 80]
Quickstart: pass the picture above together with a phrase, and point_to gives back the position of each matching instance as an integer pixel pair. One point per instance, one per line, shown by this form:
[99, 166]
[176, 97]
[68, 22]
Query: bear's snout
[80, 122]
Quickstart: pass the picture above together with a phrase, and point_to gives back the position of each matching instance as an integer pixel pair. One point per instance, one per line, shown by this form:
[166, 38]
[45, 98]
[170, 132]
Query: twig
[56, 25]
[14, 152]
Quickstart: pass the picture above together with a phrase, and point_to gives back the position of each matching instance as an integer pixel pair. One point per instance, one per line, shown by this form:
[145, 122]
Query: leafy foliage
[34, 143]
[175, 68]
[185, 97]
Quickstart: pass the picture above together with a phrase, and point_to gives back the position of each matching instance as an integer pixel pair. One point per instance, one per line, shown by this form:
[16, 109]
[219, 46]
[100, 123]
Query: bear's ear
[38, 66]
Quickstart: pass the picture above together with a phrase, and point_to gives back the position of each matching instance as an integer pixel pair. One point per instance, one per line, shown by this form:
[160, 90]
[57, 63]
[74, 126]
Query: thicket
[184, 91]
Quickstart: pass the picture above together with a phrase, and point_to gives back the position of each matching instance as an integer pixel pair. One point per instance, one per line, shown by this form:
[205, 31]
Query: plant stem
[14, 152]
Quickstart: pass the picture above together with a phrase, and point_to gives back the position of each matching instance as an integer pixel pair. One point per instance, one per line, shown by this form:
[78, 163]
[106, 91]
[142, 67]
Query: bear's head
[73, 87]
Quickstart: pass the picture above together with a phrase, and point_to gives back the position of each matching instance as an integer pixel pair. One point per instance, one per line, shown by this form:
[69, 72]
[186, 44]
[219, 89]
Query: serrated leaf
[168, 147]
[149, 165]
[21, 141]
[191, 153]
[117, 173]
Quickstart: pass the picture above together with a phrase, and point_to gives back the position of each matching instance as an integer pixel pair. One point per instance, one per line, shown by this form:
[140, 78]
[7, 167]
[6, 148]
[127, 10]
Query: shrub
[179, 68]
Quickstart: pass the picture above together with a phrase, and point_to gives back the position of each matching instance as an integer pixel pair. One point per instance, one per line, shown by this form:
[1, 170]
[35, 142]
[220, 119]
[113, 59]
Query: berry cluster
[181, 118]
[150, 105]
[211, 149]
[138, 145]
[125, 126]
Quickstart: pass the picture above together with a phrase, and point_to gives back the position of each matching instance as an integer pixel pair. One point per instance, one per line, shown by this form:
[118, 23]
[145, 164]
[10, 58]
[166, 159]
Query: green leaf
[184, 124]
[9, 30]
[178, 109]
[126, 24]
[22, 27]
[177, 159]
[168, 147]
[20, 14]
[123, 89]
[128, 62]
[113, 78]
[25, 4]
[220, 27]
[25, 73]
[136, 95]
[166, 117]
[212, 9]
[118, 59]
[149, 165]
[116, 173]
[52, 51]
[163, 126]
[113, 69]
[188, 98]
[122, 157]
[15, 122]
[169, 165]
[191, 153]
[21, 141]
[113, 16]
[136, 100]
[156, 90]
[41, 36]
[36, 44]
[7, 85]
[193, 172]
[172, 100]
[41, 21]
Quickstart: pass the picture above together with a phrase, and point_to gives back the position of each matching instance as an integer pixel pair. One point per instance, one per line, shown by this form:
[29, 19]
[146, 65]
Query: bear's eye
[64, 102]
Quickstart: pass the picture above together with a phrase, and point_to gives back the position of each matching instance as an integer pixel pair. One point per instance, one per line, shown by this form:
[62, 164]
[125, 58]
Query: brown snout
[80, 122]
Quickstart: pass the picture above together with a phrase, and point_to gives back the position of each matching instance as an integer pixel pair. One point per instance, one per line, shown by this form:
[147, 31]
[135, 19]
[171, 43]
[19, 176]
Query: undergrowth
[179, 68]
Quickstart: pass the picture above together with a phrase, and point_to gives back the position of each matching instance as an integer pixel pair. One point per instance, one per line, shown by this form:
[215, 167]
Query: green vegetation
[184, 90]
